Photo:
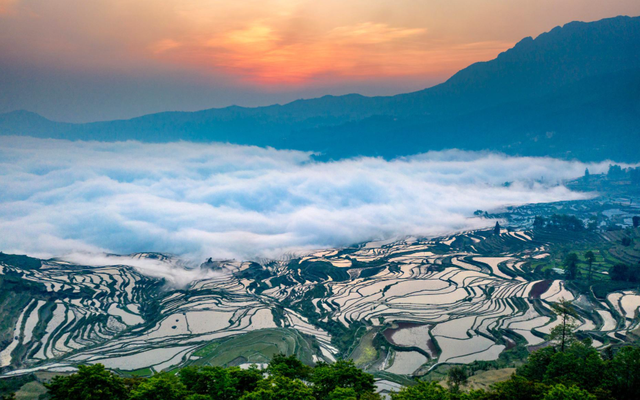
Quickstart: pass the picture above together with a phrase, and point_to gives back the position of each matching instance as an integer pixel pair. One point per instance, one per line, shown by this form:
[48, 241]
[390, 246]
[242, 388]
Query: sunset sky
[75, 60]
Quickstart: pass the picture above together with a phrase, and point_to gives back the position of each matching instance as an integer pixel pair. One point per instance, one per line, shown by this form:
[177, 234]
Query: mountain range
[573, 92]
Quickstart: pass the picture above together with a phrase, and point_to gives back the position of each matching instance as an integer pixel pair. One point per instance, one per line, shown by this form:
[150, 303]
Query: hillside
[399, 309]
[570, 92]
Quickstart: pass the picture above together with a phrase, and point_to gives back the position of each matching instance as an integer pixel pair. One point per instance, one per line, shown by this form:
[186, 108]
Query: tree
[565, 222]
[538, 222]
[421, 391]
[623, 374]
[162, 386]
[279, 387]
[634, 273]
[289, 366]
[194, 396]
[587, 175]
[563, 333]
[133, 382]
[536, 366]
[245, 380]
[517, 388]
[91, 382]
[619, 272]
[496, 229]
[215, 382]
[615, 172]
[590, 258]
[571, 265]
[561, 392]
[636, 221]
[328, 377]
[370, 396]
[455, 377]
[341, 393]
[579, 365]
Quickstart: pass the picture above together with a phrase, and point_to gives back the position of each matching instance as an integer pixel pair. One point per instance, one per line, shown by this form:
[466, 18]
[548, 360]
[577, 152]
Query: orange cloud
[261, 53]
[252, 35]
[163, 46]
[371, 33]
[280, 42]
[6, 6]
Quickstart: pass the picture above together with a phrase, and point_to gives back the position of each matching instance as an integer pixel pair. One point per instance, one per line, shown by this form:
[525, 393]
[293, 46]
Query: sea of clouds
[63, 198]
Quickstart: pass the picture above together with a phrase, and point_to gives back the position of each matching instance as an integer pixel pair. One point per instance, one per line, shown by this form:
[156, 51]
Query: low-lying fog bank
[226, 201]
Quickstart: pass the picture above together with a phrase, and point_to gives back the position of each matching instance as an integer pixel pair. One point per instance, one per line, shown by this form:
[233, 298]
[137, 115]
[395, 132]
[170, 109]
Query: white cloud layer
[226, 201]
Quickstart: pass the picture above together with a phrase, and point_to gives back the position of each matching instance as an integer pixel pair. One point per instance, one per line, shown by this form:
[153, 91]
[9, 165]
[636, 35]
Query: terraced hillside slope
[397, 308]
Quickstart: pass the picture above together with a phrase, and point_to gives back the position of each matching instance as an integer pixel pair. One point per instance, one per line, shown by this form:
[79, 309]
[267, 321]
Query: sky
[79, 61]
[80, 199]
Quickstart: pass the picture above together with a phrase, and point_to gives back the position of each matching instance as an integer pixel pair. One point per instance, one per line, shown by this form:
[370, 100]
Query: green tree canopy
[623, 374]
[536, 366]
[215, 382]
[457, 376]
[327, 377]
[421, 391]
[91, 382]
[245, 380]
[289, 366]
[579, 365]
[590, 257]
[619, 272]
[341, 393]
[279, 387]
[561, 392]
[564, 332]
[162, 386]
[517, 387]
[571, 264]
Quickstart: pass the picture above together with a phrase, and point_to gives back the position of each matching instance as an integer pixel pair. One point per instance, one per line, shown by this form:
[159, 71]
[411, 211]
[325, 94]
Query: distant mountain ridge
[573, 92]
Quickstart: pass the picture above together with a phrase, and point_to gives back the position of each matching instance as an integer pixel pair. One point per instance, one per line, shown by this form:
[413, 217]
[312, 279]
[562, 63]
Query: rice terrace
[401, 308]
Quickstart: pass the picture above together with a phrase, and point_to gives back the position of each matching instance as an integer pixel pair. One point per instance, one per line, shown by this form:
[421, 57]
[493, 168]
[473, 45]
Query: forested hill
[570, 92]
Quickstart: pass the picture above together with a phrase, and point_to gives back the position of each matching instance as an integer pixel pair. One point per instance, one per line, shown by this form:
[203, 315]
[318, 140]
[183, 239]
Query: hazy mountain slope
[555, 83]
[596, 118]
[28, 123]
[534, 67]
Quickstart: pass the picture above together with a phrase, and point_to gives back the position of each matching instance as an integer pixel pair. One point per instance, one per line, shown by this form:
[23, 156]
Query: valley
[401, 308]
